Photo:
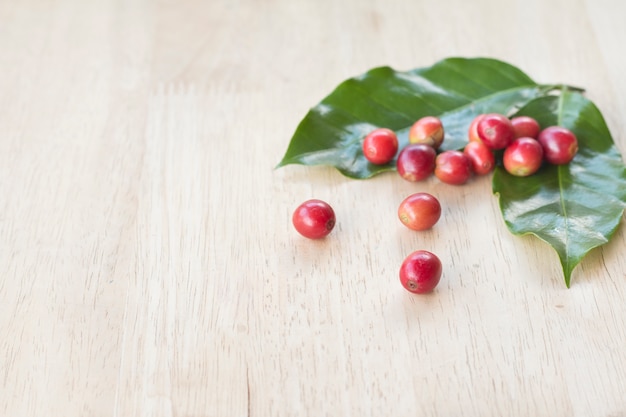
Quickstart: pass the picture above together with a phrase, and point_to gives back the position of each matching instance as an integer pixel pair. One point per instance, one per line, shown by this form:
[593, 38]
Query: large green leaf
[455, 89]
[574, 207]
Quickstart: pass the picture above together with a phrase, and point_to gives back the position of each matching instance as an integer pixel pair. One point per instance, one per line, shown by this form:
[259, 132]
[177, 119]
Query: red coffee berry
[420, 272]
[427, 130]
[314, 219]
[480, 156]
[525, 127]
[559, 144]
[416, 162]
[380, 146]
[495, 131]
[419, 211]
[472, 132]
[453, 167]
[523, 157]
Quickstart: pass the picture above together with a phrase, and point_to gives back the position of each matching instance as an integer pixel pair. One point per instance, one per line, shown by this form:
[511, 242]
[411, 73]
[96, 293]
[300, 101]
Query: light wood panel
[148, 266]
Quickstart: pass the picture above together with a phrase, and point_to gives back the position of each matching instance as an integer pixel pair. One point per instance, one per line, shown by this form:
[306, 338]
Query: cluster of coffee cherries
[421, 271]
[524, 144]
[524, 147]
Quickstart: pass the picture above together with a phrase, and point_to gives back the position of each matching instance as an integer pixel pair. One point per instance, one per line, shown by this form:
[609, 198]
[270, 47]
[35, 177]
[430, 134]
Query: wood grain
[148, 266]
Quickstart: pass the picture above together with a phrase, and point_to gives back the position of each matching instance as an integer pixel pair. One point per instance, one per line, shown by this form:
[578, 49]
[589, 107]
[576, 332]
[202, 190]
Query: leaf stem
[560, 174]
[561, 88]
[565, 87]
[559, 110]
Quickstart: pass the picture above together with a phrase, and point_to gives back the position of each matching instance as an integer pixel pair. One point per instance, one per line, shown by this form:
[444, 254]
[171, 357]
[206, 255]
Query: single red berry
[419, 211]
[314, 219]
[453, 167]
[420, 272]
[416, 162]
[523, 157]
[480, 156]
[427, 130]
[380, 146]
[525, 127]
[559, 144]
[495, 131]
[472, 132]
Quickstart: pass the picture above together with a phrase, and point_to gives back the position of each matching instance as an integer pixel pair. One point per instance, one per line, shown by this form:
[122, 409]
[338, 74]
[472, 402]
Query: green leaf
[574, 207]
[455, 89]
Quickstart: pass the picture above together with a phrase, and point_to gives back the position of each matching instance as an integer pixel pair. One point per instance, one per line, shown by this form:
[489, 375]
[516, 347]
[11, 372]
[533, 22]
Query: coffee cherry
[525, 127]
[314, 219]
[559, 144]
[416, 162]
[419, 211]
[453, 167]
[480, 156]
[495, 131]
[523, 157]
[427, 130]
[472, 132]
[420, 272]
[380, 146]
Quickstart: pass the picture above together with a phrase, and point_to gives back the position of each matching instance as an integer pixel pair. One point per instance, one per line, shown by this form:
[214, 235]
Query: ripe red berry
[472, 132]
[427, 130]
[495, 131]
[314, 219]
[559, 144]
[525, 127]
[523, 157]
[380, 146]
[416, 162]
[420, 272]
[453, 167]
[419, 211]
[480, 156]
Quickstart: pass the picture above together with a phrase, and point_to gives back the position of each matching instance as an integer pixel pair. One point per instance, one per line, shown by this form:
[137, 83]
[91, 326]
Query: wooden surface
[148, 265]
